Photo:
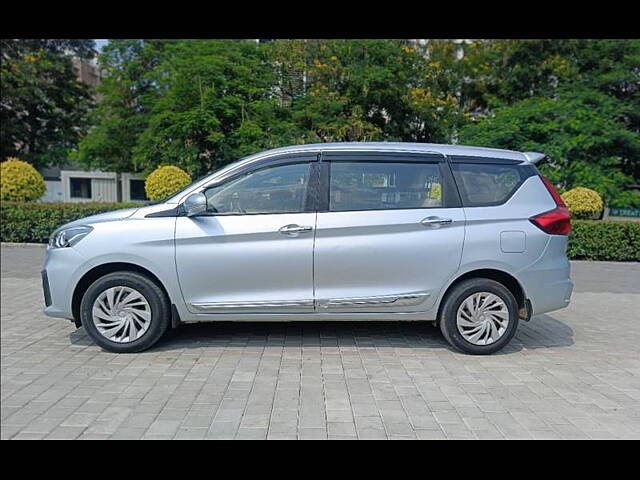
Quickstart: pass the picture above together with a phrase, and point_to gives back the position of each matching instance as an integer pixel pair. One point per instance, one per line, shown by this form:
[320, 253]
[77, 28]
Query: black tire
[452, 302]
[155, 296]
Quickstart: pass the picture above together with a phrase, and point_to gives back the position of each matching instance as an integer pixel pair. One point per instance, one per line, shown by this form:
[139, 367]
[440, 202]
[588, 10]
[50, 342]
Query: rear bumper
[547, 282]
[551, 296]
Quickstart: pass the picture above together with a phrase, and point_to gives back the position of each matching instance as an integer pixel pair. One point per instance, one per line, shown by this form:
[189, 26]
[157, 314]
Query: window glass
[487, 184]
[279, 189]
[381, 186]
[137, 190]
[80, 187]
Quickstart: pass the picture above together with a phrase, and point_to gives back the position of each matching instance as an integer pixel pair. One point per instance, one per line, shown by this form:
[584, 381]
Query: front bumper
[45, 288]
[63, 269]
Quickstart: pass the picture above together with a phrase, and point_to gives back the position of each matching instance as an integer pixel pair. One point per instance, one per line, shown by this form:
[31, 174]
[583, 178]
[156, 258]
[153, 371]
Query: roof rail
[534, 157]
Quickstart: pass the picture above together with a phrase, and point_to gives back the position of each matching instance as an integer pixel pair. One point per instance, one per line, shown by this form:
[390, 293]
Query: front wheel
[479, 316]
[125, 312]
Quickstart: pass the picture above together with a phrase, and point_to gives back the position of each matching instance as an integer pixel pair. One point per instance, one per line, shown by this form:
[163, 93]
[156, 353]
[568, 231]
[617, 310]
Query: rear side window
[384, 186]
[485, 184]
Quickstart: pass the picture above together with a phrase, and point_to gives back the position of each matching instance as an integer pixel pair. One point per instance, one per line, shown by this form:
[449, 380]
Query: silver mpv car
[473, 239]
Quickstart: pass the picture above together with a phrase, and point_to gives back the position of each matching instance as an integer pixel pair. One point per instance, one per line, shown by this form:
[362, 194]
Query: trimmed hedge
[165, 181]
[604, 240]
[583, 203]
[33, 222]
[19, 181]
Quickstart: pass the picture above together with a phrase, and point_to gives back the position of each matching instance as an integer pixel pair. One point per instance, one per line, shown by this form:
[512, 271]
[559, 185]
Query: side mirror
[195, 204]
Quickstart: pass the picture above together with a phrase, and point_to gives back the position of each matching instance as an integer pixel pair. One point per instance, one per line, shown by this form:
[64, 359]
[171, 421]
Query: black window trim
[484, 160]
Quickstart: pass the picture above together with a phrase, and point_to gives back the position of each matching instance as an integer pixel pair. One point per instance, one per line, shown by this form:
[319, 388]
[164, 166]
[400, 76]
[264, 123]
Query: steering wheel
[235, 202]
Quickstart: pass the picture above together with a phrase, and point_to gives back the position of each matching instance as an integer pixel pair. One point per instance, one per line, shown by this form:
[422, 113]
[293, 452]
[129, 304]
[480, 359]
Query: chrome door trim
[405, 299]
[269, 304]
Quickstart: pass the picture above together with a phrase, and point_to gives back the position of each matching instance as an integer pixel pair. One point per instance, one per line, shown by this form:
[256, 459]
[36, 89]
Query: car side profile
[473, 239]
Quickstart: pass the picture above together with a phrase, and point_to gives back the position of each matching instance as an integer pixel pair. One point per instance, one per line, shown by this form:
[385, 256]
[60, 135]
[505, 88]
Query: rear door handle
[435, 221]
[294, 229]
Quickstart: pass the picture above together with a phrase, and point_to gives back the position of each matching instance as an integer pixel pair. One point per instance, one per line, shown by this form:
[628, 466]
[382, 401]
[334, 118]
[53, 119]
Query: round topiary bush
[20, 182]
[165, 181]
[583, 203]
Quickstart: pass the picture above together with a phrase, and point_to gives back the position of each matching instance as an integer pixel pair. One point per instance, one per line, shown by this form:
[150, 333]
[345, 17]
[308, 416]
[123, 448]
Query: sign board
[624, 212]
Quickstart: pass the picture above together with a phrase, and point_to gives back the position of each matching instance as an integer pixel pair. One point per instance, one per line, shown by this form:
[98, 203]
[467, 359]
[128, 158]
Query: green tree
[214, 105]
[583, 133]
[128, 94]
[43, 105]
[358, 90]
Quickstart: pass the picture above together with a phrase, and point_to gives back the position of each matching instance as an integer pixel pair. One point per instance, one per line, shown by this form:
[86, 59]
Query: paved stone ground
[572, 374]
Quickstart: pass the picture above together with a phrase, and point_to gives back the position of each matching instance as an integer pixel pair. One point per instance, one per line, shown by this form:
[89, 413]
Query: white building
[66, 185]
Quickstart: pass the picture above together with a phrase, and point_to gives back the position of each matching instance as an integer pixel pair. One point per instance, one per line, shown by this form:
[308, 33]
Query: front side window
[277, 189]
[383, 186]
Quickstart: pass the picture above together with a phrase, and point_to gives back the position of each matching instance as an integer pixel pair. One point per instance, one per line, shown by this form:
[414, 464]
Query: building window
[80, 187]
[136, 187]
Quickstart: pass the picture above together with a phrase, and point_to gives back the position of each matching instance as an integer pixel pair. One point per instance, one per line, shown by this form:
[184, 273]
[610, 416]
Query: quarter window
[278, 189]
[488, 184]
[383, 186]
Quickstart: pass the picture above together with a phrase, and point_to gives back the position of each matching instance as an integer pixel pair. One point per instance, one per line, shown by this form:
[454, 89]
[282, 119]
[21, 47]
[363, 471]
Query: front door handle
[435, 221]
[294, 229]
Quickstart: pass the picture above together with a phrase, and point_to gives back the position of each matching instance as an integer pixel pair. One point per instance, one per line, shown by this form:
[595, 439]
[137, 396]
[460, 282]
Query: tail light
[556, 221]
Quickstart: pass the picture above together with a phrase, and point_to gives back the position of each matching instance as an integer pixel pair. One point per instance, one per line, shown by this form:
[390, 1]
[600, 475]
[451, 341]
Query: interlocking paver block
[567, 374]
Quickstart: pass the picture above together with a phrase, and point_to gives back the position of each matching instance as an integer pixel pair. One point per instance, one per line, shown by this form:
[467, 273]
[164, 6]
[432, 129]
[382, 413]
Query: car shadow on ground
[542, 331]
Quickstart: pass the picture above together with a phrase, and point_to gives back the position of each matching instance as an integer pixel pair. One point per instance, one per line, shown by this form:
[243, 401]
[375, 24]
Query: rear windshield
[487, 184]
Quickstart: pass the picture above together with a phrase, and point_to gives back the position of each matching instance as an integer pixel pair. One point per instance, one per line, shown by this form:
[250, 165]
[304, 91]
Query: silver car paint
[225, 261]
[243, 269]
[385, 253]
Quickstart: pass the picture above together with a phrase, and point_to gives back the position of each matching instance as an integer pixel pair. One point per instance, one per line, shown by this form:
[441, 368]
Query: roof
[443, 149]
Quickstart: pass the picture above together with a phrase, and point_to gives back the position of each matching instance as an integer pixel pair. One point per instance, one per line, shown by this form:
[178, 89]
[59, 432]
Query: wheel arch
[101, 270]
[500, 276]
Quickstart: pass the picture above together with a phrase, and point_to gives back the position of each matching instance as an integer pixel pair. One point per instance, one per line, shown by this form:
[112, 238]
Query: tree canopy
[200, 104]
[43, 106]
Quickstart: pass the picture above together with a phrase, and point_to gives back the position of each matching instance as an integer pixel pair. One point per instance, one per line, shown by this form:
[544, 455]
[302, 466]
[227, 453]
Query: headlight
[68, 237]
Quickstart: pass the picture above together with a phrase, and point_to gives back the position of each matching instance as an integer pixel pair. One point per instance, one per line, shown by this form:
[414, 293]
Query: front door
[391, 235]
[253, 250]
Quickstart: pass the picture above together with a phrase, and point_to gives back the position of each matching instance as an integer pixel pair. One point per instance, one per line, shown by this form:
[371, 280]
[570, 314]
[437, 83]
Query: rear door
[389, 233]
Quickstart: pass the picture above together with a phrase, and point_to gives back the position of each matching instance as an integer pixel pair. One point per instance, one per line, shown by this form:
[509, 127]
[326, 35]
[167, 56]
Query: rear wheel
[479, 316]
[125, 312]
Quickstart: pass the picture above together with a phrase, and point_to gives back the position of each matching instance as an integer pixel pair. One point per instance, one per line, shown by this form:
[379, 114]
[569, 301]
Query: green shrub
[33, 222]
[604, 240]
[19, 181]
[583, 203]
[165, 181]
